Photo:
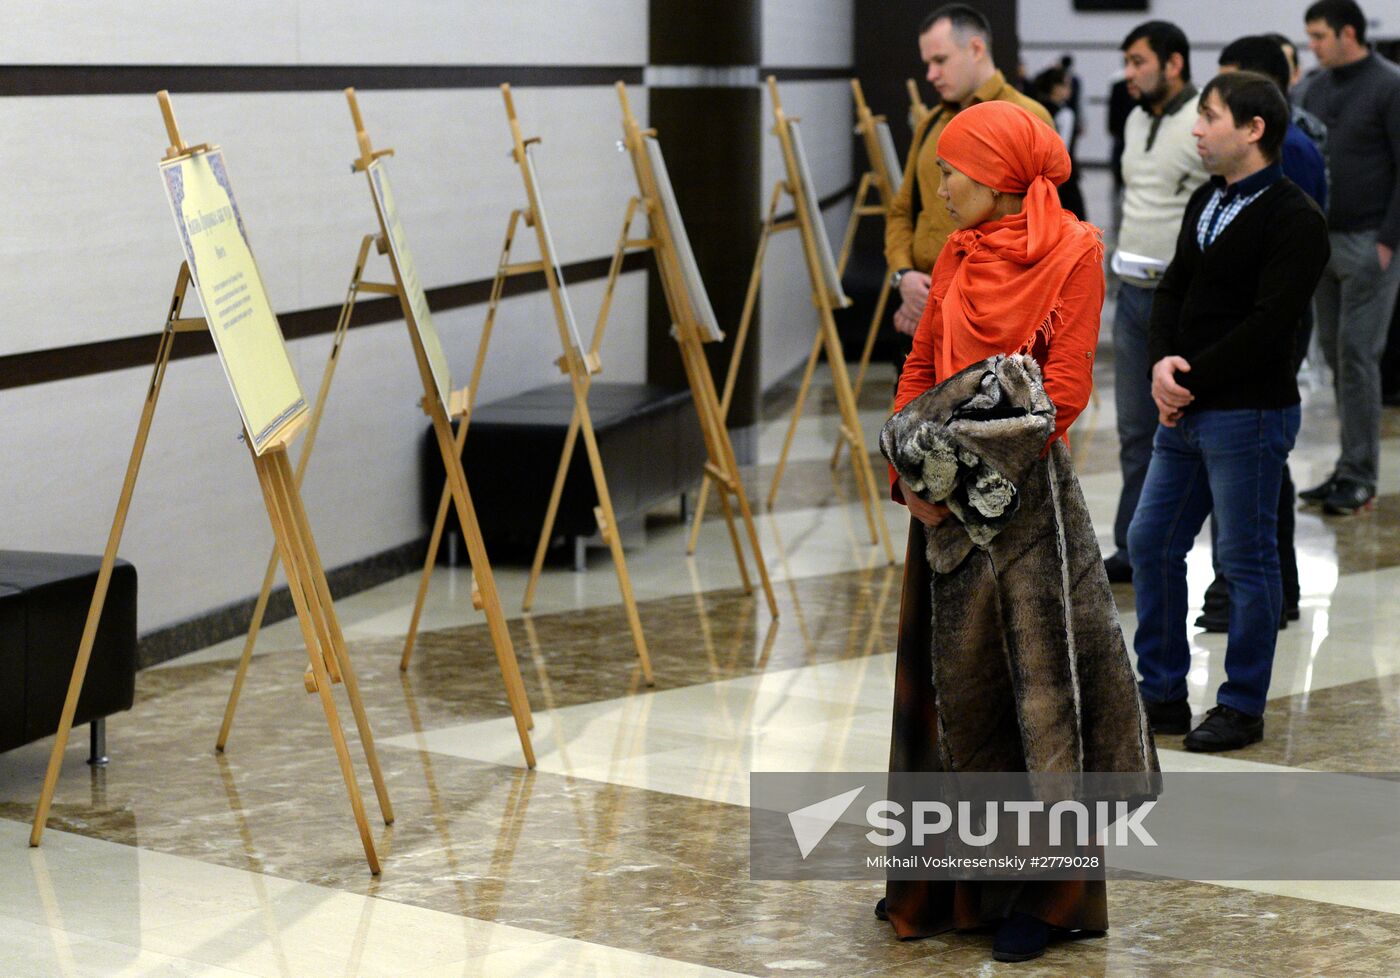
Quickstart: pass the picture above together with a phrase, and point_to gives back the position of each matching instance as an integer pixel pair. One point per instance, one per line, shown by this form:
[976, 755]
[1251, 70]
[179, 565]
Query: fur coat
[1027, 662]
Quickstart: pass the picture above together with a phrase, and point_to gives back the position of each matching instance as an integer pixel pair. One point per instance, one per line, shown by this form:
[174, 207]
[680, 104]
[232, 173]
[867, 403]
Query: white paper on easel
[700, 307]
[241, 321]
[894, 171]
[574, 336]
[421, 315]
[832, 279]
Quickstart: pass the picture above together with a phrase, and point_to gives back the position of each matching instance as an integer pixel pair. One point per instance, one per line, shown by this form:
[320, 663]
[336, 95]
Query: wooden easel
[722, 468]
[325, 645]
[440, 412]
[579, 364]
[882, 180]
[809, 226]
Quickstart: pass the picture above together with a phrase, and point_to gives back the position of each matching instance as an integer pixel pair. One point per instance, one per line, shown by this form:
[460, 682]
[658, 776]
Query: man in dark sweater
[1302, 163]
[1357, 96]
[1224, 321]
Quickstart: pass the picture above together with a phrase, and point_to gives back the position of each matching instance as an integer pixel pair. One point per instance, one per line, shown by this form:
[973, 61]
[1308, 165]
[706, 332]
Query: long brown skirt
[922, 908]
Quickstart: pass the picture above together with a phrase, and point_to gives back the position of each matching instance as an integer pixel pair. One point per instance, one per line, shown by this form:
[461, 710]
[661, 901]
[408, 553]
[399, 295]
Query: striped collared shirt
[1229, 199]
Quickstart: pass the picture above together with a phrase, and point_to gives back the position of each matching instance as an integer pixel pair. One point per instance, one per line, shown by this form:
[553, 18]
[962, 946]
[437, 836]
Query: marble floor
[625, 851]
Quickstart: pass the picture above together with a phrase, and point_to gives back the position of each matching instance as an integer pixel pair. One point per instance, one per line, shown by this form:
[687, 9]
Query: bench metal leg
[580, 555]
[685, 508]
[97, 742]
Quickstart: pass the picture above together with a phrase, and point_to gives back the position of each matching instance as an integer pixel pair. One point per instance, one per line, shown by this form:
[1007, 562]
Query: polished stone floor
[625, 852]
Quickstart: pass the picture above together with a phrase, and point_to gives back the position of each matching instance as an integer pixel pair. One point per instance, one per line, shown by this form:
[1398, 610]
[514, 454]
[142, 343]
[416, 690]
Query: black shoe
[1348, 498]
[1172, 718]
[1225, 728]
[1214, 621]
[880, 913]
[1118, 568]
[1020, 937]
[1319, 492]
[1292, 613]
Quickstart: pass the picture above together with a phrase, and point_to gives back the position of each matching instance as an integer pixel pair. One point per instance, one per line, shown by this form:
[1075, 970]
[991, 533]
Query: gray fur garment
[1029, 668]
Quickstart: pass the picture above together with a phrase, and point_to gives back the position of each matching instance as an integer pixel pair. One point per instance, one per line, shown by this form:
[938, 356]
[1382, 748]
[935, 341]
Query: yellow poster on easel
[408, 274]
[241, 319]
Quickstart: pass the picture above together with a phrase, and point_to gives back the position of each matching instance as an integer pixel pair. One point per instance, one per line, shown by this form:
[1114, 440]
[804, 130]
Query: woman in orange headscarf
[1010, 660]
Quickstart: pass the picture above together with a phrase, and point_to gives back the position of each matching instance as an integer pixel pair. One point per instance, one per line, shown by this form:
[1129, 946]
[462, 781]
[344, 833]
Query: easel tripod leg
[865, 355]
[491, 600]
[320, 593]
[281, 524]
[425, 579]
[802, 391]
[259, 611]
[109, 558]
[556, 494]
[434, 542]
[860, 459]
[612, 534]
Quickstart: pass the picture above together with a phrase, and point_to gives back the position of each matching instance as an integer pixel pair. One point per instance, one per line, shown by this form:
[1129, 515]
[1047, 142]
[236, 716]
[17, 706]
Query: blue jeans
[1132, 400]
[1230, 462]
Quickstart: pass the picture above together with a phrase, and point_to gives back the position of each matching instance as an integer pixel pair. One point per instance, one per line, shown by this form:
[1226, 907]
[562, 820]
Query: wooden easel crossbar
[329, 662]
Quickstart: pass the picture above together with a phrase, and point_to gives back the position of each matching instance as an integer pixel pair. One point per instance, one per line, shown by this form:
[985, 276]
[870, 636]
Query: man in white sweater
[1161, 169]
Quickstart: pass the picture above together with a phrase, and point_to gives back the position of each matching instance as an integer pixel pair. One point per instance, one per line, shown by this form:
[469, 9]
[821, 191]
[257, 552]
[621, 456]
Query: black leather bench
[44, 599]
[649, 438]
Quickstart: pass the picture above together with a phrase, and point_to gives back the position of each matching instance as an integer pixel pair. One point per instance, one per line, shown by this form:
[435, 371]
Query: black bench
[649, 438]
[44, 599]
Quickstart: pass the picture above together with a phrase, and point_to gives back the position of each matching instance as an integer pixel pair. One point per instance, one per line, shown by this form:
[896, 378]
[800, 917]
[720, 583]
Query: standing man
[1302, 163]
[955, 42]
[1250, 251]
[1161, 168]
[1357, 96]
[1310, 124]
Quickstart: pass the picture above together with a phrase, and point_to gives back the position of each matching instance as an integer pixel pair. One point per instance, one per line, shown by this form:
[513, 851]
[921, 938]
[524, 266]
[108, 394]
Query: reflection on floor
[625, 851]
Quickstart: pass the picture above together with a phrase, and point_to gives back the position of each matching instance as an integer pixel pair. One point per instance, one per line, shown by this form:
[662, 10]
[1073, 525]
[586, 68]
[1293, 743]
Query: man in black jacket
[1224, 323]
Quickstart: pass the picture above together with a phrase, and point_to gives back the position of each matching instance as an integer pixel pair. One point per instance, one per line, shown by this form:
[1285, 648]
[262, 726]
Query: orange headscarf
[998, 285]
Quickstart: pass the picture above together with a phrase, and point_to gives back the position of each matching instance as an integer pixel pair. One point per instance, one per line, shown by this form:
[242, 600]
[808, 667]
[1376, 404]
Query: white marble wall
[324, 32]
[809, 33]
[90, 254]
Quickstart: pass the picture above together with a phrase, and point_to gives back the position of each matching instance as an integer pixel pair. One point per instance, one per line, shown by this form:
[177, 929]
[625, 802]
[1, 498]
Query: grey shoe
[1348, 498]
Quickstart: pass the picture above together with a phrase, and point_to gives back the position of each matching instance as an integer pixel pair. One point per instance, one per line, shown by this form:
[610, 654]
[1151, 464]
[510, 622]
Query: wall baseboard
[231, 620]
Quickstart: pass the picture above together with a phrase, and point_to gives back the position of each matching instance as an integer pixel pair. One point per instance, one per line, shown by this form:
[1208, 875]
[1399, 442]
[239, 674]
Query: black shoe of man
[1171, 719]
[1118, 568]
[1225, 728]
[1319, 492]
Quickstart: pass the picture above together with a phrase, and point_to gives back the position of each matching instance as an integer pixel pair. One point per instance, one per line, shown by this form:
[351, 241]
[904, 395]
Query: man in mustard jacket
[955, 42]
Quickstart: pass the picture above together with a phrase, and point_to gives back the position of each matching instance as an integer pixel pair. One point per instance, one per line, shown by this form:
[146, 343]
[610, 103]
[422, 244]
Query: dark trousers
[1231, 462]
[1218, 594]
[1132, 396]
